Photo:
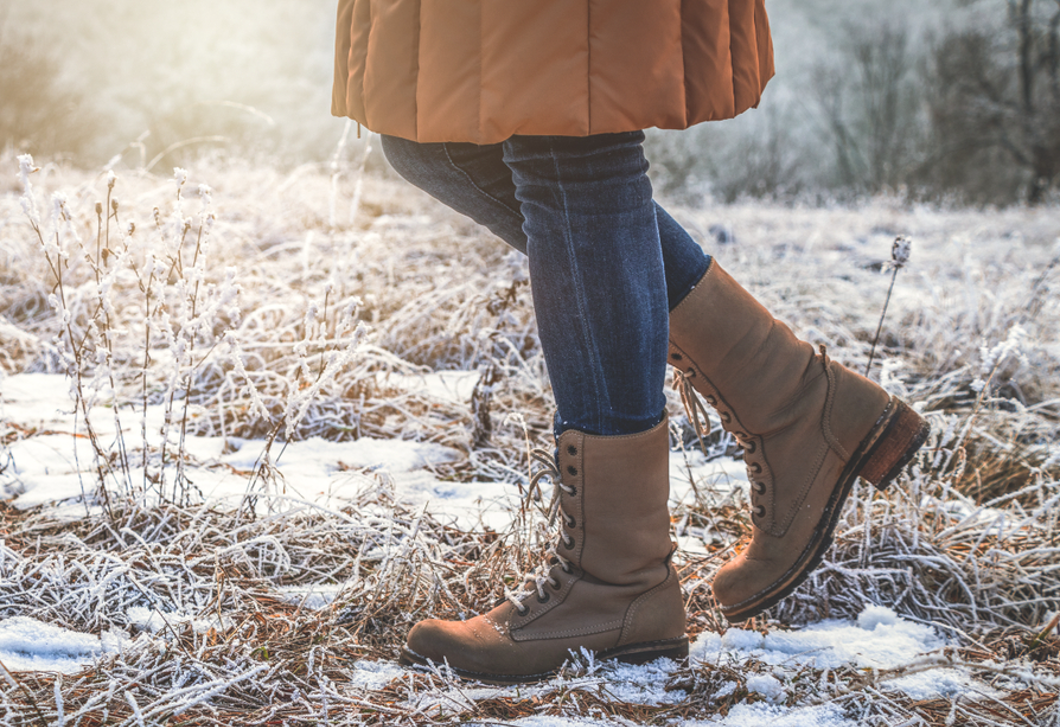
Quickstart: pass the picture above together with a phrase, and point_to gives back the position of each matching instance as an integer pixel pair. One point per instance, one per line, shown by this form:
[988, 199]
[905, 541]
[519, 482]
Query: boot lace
[536, 581]
[695, 409]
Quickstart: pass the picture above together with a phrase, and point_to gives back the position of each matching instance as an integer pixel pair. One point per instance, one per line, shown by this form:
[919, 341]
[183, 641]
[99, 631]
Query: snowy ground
[43, 471]
[279, 588]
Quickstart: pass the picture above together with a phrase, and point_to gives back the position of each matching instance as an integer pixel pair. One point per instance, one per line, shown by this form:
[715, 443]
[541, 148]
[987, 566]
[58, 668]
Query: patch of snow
[314, 597]
[759, 714]
[548, 721]
[741, 640]
[27, 644]
[936, 683]
[874, 615]
[153, 620]
[55, 488]
[374, 675]
[879, 639]
[453, 386]
[831, 644]
[890, 642]
[715, 479]
[767, 685]
[706, 647]
[318, 457]
[641, 683]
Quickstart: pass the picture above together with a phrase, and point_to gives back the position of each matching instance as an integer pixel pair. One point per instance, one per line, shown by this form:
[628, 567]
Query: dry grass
[334, 299]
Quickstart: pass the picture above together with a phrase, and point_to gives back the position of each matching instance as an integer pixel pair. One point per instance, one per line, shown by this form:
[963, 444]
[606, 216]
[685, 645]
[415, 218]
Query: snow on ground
[30, 645]
[46, 468]
[879, 639]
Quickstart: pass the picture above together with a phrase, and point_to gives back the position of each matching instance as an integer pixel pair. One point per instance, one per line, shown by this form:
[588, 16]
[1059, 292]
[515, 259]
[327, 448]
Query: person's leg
[469, 178]
[475, 181]
[596, 272]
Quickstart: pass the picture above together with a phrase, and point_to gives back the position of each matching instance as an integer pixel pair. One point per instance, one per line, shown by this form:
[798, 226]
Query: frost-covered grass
[288, 390]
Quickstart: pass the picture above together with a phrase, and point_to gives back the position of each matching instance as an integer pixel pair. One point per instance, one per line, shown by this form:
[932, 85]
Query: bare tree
[997, 102]
[869, 104]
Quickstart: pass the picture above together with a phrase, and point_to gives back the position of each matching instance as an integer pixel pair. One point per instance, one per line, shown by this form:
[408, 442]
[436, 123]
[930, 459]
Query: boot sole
[879, 459]
[640, 653]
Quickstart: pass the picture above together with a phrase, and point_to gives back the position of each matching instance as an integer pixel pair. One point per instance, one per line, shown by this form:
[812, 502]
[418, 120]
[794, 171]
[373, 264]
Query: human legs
[596, 272]
[809, 426]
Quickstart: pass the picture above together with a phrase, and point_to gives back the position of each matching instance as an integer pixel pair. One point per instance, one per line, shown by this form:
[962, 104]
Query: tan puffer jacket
[483, 70]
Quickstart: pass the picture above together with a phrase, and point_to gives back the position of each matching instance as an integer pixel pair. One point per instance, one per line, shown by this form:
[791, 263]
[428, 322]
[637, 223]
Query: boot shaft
[764, 374]
[619, 508]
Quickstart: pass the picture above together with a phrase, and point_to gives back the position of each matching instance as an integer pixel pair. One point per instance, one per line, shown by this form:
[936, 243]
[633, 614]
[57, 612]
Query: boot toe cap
[732, 584]
[475, 646]
[429, 639]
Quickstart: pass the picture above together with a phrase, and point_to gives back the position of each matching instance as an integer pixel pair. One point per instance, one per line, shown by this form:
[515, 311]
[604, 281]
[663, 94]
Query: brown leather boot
[809, 428]
[608, 586]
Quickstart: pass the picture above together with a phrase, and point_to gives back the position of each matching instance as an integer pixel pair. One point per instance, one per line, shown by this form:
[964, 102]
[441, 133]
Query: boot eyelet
[756, 468]
[759, 487]
[572, 523]
[760, 511]
[523, 610]
[750, 447]
[572, 470]
[712, 401]
[555, 585]
[545, 599]
[725, 416]
[567, 569]
[690, 373]
[676, 356]
[572, 450]
[568, 541]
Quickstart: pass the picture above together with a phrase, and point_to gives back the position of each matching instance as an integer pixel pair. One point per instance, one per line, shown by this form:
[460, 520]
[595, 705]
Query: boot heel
[899, 434]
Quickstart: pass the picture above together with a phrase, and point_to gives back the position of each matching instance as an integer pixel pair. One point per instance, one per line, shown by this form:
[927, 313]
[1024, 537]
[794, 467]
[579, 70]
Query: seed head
[900, 251]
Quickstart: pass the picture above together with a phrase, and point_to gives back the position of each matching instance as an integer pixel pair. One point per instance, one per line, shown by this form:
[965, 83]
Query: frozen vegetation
[250, 432]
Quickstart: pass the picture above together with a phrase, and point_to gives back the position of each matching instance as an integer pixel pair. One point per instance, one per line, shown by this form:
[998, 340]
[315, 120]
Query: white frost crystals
[29, 204]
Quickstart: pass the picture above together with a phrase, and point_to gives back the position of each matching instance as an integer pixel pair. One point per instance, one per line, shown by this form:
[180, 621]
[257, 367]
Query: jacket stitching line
[481, 51]
[684, 67]
[589, 67]
[732, 55]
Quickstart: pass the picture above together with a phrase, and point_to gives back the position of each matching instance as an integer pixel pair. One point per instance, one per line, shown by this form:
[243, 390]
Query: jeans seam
[474, 184]
[579, 295]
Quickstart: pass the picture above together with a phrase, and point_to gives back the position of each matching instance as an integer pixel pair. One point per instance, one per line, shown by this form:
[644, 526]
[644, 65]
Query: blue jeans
[607, 264]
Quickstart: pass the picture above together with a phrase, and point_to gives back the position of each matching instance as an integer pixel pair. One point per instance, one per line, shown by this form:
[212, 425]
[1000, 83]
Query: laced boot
[809, 428]
[607, 586]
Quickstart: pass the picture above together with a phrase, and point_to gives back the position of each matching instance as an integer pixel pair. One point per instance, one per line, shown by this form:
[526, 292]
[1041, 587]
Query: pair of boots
[809, 428]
